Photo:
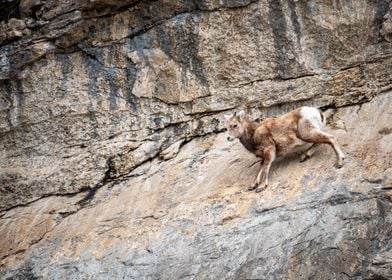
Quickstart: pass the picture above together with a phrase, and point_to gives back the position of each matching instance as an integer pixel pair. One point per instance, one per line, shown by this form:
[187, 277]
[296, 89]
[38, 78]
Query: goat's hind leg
[338, 151]
[312, 134]
[309, 152]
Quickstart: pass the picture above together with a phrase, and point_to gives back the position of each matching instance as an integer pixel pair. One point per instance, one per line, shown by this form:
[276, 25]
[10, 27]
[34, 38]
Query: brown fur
[275, 137]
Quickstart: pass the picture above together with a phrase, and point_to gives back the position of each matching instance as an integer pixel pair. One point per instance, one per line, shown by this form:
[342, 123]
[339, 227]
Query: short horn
[242, 114]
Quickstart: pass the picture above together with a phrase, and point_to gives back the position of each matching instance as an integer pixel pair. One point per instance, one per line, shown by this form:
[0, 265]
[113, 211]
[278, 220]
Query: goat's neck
[247, 139]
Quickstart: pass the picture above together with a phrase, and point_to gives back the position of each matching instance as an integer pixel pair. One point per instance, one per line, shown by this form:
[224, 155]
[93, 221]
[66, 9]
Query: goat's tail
[323, 119]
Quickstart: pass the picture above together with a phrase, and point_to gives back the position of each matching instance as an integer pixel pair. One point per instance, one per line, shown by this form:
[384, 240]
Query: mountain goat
[275, 137]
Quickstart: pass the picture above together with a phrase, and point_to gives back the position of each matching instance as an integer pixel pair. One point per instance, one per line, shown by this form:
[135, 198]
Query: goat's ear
[227, 116]
[242, 114]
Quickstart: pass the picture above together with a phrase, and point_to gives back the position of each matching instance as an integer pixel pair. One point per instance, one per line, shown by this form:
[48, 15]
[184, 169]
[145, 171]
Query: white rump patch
[313, 115]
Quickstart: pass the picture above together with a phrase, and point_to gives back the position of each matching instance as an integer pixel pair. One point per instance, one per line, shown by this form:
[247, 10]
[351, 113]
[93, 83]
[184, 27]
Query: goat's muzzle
[229, 138]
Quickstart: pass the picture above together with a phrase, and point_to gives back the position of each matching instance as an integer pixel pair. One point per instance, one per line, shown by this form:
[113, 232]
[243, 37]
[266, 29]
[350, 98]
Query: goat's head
[235, 125]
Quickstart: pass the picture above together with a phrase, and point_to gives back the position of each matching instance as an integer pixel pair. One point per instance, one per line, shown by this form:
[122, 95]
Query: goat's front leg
[257, 181]
[254, 185]
[262, 178]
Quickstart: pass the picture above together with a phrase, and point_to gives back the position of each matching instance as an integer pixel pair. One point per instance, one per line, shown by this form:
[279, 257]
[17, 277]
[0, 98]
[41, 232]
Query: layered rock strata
[113, 159]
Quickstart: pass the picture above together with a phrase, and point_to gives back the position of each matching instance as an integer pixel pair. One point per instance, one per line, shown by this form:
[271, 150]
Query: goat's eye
[235, 126]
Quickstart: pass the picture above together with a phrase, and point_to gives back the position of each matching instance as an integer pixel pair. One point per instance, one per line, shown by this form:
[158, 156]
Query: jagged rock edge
[40, 38]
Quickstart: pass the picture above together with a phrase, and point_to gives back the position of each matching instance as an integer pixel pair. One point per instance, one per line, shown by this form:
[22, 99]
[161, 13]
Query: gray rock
[113, 156]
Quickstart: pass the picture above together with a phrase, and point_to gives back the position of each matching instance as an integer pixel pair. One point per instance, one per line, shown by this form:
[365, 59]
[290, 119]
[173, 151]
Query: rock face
[113, 158]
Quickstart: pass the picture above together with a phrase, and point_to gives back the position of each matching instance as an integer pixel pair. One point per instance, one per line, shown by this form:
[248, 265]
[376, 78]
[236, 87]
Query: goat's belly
[291, 144]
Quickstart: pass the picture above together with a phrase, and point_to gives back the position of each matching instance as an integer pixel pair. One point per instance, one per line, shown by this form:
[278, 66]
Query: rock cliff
[114, 163]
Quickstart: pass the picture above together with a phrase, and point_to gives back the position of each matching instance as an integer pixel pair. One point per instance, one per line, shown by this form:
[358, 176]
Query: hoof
[251, 188]
[261, 188]
[339, 164]
[304, 158]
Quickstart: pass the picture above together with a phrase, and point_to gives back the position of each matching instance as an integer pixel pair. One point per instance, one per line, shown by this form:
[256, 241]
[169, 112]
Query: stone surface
[14, 29]
[113, 154]
[191, 217]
